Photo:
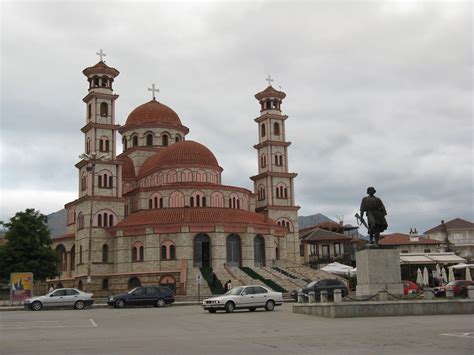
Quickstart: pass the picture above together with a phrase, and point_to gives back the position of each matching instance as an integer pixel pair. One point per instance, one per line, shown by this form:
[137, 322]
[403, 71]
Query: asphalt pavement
[190, 330]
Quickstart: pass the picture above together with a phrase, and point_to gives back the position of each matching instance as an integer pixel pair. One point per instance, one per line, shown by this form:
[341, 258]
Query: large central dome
[184, 153]
[153, 112]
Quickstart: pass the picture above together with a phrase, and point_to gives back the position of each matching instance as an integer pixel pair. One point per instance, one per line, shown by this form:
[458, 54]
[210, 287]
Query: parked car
[459, 288]
[317, 286]
[61, 297]
[249, 297]
[158, 296]
[410, 287]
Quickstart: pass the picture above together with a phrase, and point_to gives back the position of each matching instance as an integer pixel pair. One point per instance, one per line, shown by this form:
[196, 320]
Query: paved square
[190, 330]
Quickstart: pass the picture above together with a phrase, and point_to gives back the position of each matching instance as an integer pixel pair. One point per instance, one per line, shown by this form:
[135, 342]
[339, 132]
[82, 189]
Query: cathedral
[158, 212]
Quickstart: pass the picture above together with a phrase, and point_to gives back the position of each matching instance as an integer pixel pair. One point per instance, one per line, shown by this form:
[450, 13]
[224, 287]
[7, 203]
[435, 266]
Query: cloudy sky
[378, 93]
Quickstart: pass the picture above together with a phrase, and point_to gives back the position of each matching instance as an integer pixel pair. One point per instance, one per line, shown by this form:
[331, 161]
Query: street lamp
[92, 159]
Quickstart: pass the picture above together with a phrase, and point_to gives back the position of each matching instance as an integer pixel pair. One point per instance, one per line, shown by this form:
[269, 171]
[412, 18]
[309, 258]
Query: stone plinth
[378, 270]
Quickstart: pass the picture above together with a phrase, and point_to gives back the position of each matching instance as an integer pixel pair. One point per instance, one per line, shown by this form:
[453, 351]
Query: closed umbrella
[444, 276]
[451, 274]
[426, 277]
[468, 274]
[438, 271]
[419, 277]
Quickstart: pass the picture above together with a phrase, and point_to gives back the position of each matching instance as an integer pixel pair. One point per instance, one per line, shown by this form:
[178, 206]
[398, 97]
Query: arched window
[105, 253]
[263, 130]
[104, 109]
[164, 140]
[80, 221]
[89, 111]
[105, 284]
[172, 176]
[83, 181]
[278, 159]
[234, 201]
[105, 179]
[261, 193]
[88, 145]
[149, 139]
[217, 199]
[168, 250]
[276, 129]
[134, 282]
[73, 257]
[134, 141]
[263, 161]
[138, 251]
[124, 142]
[104, 218]
[96, 81]
[197, 199]
[176, 199]
[80, 254]
[61, 253]
[201, 176]
[186, 175]
[155, 201]
[177, 138]
[163, 252]
[105, 82]
[268, 105]
[104, 144]
[172, 252]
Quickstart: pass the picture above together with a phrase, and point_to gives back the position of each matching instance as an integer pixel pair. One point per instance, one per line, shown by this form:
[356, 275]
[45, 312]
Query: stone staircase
[304, 272]
[281, 279]
[192, 287]
[225, 274]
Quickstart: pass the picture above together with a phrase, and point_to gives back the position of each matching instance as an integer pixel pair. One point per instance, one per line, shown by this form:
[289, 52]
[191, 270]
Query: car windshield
[235, 291]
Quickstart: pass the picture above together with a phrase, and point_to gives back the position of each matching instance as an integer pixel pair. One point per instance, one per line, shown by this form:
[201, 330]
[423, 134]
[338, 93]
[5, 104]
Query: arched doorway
[168, 281]
[202, 250]
[134, 282]
[233, 250]
[259, 251]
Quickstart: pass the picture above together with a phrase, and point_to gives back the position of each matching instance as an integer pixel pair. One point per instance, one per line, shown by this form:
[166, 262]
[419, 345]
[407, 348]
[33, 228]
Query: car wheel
[120, 303]
[270, 305]
[212, 310]
[79, 305]
[36, 306]
[160, 303]
[252, 309]
[229, 307]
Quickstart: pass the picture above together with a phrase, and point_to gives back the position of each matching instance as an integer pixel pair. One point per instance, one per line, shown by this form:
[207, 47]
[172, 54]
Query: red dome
[128, 169]
[153, 112]
[181, 154]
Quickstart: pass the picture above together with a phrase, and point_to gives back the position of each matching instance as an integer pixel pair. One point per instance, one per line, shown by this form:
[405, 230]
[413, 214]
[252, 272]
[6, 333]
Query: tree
[28, 247]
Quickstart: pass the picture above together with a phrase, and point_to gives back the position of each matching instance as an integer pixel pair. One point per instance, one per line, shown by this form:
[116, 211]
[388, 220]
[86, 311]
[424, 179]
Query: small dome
[270, 92]
[183, 153]
[99, 69]
[153, 112]
[128, 169]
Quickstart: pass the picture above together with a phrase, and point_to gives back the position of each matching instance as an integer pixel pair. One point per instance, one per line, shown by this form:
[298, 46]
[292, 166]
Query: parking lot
[189, 329]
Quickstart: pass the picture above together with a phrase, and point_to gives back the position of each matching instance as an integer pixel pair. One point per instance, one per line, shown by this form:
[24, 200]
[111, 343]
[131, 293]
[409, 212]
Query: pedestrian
[229, 285]
[51, 288]
[213, 279]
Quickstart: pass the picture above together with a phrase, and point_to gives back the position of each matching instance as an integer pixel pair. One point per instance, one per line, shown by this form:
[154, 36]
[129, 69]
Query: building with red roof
[158, 211]
[411, 243]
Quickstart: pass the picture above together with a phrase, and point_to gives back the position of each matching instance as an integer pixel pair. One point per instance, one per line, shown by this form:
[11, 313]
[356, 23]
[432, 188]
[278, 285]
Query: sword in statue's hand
[360, 220]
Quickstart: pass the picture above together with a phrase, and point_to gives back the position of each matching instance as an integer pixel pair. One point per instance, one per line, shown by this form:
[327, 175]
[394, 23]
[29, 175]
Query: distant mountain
[57, 223]
[309, 221]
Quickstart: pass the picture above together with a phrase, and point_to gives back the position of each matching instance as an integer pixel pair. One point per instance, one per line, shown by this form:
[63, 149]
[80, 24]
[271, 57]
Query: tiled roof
[128, 169]
[195, 215]
[99, 69]
[404, 239]
[180, 154]
[153, 112]
[270, 92]
[456, 223]
[317, 234]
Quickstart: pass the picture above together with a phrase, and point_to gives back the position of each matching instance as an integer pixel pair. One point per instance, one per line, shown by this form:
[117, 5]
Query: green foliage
[216, 288]
[28, 247]
[270, 283]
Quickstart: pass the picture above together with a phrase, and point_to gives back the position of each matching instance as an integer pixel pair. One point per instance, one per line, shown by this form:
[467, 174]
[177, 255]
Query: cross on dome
[269, 79]
[101, 54]
[153, 90]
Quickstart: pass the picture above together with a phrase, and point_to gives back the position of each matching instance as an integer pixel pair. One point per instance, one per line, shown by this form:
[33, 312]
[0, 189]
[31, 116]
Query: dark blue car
[158, 296]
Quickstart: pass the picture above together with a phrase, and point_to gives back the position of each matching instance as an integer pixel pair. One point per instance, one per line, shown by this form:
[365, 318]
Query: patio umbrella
[468, 274]
[451, 274]
[419, 277]
[444, 276]
[426, 277]
[438, 271]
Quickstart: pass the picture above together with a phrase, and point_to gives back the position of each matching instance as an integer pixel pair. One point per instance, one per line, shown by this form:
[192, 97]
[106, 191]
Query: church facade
[158, 211]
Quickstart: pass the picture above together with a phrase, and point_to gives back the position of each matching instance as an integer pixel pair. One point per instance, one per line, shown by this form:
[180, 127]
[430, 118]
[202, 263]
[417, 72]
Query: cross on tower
[269, 79]
[101, 54]
[153, 90]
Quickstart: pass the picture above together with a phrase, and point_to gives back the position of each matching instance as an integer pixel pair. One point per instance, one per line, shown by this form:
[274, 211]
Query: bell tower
[274, 184]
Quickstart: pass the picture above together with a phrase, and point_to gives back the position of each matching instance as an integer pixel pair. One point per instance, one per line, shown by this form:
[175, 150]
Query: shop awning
[430, 258]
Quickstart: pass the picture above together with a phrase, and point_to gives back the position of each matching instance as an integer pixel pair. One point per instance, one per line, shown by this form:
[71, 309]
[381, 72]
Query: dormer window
[104, 109]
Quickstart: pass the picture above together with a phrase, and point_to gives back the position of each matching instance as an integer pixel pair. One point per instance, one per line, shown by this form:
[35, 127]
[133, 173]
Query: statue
[375, 210]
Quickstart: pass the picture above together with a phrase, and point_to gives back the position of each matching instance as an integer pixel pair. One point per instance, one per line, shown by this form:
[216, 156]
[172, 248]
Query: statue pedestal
[378, 270]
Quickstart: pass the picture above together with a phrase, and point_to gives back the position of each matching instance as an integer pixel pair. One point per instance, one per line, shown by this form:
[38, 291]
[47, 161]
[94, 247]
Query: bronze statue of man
[375, 210]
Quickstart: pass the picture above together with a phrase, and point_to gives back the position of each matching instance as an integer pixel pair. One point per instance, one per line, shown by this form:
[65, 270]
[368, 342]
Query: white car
[250, 297]
[61, 297]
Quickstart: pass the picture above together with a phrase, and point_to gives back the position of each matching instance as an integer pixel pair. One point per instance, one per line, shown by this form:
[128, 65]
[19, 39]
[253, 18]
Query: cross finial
[269, 79]
[153, 90]
[101, 54]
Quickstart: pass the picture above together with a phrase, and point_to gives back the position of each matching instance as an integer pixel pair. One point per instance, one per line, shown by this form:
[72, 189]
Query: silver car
[250, 297]
[61, 297]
